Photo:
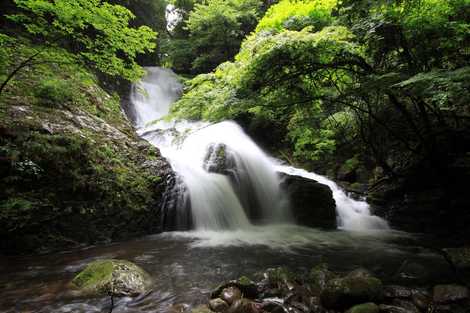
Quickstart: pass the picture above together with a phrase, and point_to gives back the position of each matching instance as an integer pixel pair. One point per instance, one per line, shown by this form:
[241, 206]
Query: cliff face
[72, 169]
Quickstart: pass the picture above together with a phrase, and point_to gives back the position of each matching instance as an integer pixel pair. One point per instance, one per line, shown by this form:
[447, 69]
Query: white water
[215, 203]
[352, 214]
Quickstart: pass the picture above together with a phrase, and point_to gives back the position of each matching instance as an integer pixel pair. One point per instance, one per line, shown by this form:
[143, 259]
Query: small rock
[364, 308]
[405, 305]
[421, 299]
[247, 287]
[201, 309]
[244, 306]
[231, 294]
[218, 305]
[179, 308]
[449, 293]
[394, 291]
[392, 309]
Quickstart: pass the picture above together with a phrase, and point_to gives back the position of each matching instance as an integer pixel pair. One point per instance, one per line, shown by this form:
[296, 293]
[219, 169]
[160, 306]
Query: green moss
[116, 277]
[95, 273]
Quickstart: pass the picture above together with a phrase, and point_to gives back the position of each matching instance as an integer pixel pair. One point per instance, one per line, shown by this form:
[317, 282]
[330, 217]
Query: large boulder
[75, 167]
[113, 277]
[312, 203]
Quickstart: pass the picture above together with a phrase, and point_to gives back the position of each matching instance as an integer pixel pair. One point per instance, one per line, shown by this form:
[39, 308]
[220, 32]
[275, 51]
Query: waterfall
[228, 180]
[352, 214]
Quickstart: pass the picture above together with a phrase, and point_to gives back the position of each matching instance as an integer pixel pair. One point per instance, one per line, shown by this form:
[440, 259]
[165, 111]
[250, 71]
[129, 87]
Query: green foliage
[295, 15]
[366, 85]
[217, 28]
[97, 31]
[210, 32]
[54, 92]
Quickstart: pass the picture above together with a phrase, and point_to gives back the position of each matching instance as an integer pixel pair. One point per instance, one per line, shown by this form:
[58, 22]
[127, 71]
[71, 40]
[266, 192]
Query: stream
[186, 266]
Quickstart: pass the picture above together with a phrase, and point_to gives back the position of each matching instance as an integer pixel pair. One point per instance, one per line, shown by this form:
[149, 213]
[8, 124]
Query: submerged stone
[113, 277]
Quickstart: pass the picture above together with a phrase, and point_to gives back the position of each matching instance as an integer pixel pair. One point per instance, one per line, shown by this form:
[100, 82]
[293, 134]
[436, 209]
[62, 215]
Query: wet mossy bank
[72, 169]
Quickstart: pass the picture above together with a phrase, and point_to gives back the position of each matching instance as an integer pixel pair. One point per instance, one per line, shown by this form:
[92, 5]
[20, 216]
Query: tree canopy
[97, 32]
[336, 74]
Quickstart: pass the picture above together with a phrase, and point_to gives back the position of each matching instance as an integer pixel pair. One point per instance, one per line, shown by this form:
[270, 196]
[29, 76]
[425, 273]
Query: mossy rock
[113, 277]
[319, 277]
[355, 288]
[364, 308]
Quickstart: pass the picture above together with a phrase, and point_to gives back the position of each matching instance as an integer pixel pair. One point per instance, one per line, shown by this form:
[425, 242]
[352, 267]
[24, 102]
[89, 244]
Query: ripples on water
[187, 265]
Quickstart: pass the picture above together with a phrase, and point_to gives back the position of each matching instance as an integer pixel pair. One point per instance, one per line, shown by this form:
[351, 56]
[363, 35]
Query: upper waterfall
[228, 179]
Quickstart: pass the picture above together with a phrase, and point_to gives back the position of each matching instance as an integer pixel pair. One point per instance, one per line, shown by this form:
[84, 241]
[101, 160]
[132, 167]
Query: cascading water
[215, 202]
[352, 214]
[228, 178]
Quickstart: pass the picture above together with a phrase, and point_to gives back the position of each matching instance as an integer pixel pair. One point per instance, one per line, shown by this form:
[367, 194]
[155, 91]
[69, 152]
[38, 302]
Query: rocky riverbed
[278, 290]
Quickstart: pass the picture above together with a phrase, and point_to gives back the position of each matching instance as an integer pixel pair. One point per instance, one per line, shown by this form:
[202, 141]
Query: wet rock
[449, 293]
[393, 309]
[113, 277]
[408, 305]
[201, 309]
[217, 159]
[355, 288]
[312, 203]
[411, 272]
[272, 307]
[179, 308]
[421, 299]
[244, 306]
[231, 294]
[218, 305]
[319, 276]
[278, 282]
[364, 308]
[247, 287]
[394, 291]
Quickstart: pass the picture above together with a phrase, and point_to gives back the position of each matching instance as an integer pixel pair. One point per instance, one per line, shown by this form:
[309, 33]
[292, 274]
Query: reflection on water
[187, 265]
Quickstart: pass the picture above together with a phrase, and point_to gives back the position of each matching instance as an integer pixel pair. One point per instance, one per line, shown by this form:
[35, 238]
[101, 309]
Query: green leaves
[98, 31]
[217, 28]
[296, 15]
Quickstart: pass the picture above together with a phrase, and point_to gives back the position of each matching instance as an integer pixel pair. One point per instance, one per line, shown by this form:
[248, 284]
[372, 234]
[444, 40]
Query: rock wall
[70, 177]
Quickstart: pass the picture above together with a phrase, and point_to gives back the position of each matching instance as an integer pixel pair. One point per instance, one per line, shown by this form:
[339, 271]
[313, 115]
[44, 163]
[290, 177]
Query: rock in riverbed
[113, 277]
[312, 203]
[355, 288]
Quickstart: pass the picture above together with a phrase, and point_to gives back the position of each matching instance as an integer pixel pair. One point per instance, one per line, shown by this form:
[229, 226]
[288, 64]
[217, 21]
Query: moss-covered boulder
[72, 162]
[355, 288]
[113, 277]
